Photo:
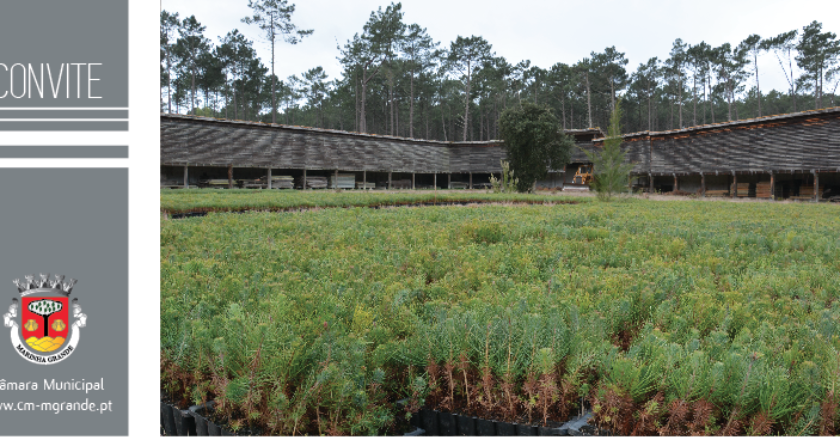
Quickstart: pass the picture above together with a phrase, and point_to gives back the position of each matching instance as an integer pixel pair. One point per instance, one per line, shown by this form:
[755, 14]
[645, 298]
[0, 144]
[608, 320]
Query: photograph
[463, 218]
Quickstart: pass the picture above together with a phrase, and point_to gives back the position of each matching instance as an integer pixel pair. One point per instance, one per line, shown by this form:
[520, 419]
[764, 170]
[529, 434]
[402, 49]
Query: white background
[143, 139]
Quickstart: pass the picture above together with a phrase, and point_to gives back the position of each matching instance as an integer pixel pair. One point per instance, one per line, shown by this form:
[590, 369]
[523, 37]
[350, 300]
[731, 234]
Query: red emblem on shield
[44, 322]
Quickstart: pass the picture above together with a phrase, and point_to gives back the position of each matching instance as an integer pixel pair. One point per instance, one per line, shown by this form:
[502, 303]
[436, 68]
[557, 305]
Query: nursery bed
[677, 318]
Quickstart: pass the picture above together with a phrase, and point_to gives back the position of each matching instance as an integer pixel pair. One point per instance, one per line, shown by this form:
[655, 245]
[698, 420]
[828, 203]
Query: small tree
[507, 183]
[611, 171]
[535, 143]
[45, 308]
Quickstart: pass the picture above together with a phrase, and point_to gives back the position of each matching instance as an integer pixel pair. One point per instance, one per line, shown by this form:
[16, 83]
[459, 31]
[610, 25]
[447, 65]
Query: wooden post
[364, 180]
[650, 178]
[304, 180]
[268, 185]
[449, 181]
[470, 179]
[703, 185]
[335, 180]
[186, 177]
[816, 186]
[772, 186]
[435, 184]
[676, 182]
[412, 180]
[734, 185]
[389, 180]
[230, 176]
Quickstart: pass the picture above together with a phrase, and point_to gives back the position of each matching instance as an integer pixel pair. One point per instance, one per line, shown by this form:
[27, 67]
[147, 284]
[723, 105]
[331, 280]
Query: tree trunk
[273, 78]
[563, 108]
[411, 108]
[588, 99]
[757, 83]
[729, 95]
[679, 75]
[442, 118]
[169, 80]
[192, 88]
[467, 101]
[362, 122]
[694, 102]
[391, 99]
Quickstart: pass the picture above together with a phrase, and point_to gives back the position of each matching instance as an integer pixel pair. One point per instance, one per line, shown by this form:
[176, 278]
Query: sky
[545, 32]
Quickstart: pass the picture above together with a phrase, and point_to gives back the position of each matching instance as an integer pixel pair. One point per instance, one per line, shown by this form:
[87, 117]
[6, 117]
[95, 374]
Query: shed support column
[703, 185]
[304, 180]
[364, 180]
[772, 186]
[389, 180]
[412, 180]
[816, 186]
[470, 179]
[335, 180]
[449, 181]
[435, 184]
[650, 181]
[268, 185]
[734, 185]
[230, 176]
[676, 182]
[186, 177]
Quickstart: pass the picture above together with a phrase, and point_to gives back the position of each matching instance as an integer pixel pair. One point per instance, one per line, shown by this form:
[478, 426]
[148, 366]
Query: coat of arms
[40, 322]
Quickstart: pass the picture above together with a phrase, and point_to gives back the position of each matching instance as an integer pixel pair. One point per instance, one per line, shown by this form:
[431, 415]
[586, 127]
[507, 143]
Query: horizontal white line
[62, 120]
[63, 108]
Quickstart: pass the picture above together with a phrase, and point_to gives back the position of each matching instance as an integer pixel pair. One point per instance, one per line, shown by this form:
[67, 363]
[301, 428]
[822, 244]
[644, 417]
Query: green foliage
[612, 173]
[507, 184]
[535, 143]
[298, 326]
[222, 200]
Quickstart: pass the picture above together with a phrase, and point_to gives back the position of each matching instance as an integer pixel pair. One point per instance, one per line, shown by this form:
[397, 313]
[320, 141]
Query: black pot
[546, 431]
[485, 428]
[184, 422]
[415, 420]
[213, 429]
[505, 429]
[201, 422]
[418, 432]
[168, 419]
[447, 424]
[526, 430]
[466, 425]
[429, 418]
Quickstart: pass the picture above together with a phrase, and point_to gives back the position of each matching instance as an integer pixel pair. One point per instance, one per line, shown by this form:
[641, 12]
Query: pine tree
[611, 171]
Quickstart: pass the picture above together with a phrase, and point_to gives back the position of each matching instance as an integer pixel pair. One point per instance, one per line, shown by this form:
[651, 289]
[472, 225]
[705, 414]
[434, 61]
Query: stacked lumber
[253, 184]
[282, 182]
[808, 191]
[743, 190]
[401, 184]
[459, 185]
[717, 193]
[344, 181]
[216, 183]
[364, 185]
[312, 182]
[763, 190]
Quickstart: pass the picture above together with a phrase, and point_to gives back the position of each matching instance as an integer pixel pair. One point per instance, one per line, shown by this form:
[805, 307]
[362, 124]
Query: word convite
[48, 81]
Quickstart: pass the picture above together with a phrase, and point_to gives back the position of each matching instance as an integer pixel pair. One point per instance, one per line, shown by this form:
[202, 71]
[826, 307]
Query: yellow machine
[583, 176]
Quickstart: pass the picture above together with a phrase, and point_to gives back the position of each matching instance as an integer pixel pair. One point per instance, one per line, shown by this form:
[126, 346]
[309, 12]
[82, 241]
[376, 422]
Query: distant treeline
[397, 80]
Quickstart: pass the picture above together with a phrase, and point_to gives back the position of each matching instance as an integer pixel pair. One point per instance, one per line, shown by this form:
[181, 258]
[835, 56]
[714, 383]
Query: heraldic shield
[41, 329]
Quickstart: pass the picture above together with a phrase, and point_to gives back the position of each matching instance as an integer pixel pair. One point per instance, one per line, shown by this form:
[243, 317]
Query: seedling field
[670, 318]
